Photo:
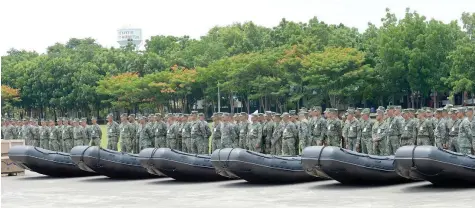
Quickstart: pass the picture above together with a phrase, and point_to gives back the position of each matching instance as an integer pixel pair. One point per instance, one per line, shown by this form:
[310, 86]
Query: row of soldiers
[61, 137]
[272, 133]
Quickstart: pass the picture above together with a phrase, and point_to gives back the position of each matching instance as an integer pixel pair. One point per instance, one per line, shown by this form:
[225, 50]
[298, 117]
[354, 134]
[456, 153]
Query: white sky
[37, 24]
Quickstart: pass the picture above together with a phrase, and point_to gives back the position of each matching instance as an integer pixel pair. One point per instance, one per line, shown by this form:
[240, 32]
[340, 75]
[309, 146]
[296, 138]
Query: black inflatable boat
[110, 163]
[179, 165]
[46, 162]
[349, 167]
[439, 166]
[259, 168]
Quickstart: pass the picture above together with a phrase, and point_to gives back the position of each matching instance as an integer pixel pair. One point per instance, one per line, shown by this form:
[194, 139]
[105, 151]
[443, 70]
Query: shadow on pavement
[245, 184]
[177, 182]
[340, 186]
[434, 188]
[39, 178]
[106, 180]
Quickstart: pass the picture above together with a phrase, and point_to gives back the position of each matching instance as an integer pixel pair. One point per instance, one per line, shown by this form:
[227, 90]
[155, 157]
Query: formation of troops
[270, 133]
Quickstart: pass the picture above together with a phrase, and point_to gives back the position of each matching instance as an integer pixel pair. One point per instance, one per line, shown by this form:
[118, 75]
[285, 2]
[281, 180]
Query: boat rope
[319, 156]
[414, 167]
[98, 157]
[227, 160]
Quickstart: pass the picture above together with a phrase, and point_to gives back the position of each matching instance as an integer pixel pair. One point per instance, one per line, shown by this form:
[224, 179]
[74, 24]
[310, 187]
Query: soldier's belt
[288, 138]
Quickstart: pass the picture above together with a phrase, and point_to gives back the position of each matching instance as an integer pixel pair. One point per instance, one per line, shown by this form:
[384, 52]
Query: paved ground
[38, 191]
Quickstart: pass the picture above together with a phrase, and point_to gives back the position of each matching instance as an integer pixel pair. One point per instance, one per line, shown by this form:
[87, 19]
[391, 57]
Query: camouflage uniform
[146, 135]
[205, 146]
[95, 134]
[216, 137]
[243, 129]
[334, 131]
[425, 132]
[9, 132]
[303, 133]
[113, 133]
[378, 133]
[161, 134]
[172, 137]
[67, 137]
[199, 143]
[186, 137]
[352, 132]
[393, 133]
[318, 131]
[454, 132]
[289, 137]
[127, 132]
[409, 132]
[366, 140]
[55, 138]
[35, 134]
[267, 132]
[276, 145]
[465, 137]
[441, 132]
[44, 137]
[80, 136]
[229, 135]
[254, 137]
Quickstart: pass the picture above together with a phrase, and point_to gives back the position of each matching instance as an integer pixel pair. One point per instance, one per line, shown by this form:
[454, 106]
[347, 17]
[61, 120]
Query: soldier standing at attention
[466, 135]
[186, 141]
[126, 134]
[8, 135]
[216, 137]
[146, 136]
[409, 132]
[44, 135]
[25, 132]
[441, 130]
[35, 132]
[95, 132]
[205, 143]
[276, 143]
[113, 132]
[393, 132]
[254, 134]
[366, 141]
[200, 144]
[54, 136]
[160, 132]
[133, 127]
[303, 133]
[86, 137]
[228, 132]
[425, 130]
[67, 135]
[289, 136]
[456, 118]
[378, 132]
[319, 129]
[333, 129]
[243, 130]
[172, 132]
[77, 133]
[268, 132]
[353, 131]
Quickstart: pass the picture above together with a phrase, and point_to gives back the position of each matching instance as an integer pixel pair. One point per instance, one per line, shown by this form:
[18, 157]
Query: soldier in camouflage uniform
[9, 132]
[113, 133]
[425, 131]
[243, 129]
[409, 132]
[94, 132]
[466, 135]
[186, 133]
[268, 131]
[276, 143]
[34, 132]
[133, 127]
[456, 118]
[216, 136]
[172, 133]
[289, 136]
[334, 129]
[441, 133]
[67, 135]
[146, 134]
[205, 143]
[352, 132]
[378, 132]
[318, 128]
[44, 135]
[127, 132]
[25, 129]
[303, 131]
[54, 137]
[160, 132]
[199, 142]
[229, 132]
[254, 134]
[366, 140]
[79, 133]
[394, 132]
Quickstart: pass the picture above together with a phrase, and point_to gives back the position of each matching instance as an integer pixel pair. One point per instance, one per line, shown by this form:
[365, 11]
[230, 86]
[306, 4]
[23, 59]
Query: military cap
[292, 112]
[365, 111]
[219, 113]
[23, 119]
[391, 107]
[439, 110]
[260, 114]
[421, 111]
[397, 107]
[359, 109]
[449, 106]
[243, 114]
[268, 113]
[123, 115]
[302, 113]
[277, 115]
[317, 108]
[285, 114]
[225, 114]
[381, 108]
[141, 117]
[334, 110]
[157, 115]
[302, 109]
[201, 114]
[132, 116]
[470, 108]
[350, 111]
[255, 114]
[194, 112]
[31, 119]
[93, 118]
[428, 110]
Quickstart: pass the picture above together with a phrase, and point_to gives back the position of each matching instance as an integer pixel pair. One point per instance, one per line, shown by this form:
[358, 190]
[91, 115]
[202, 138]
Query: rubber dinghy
[179, 165]
[436, 165]
[46, 162]
[259, 168]
[107, 162]
[348, 166]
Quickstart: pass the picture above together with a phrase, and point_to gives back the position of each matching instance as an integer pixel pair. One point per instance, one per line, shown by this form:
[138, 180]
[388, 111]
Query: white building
[129, 35]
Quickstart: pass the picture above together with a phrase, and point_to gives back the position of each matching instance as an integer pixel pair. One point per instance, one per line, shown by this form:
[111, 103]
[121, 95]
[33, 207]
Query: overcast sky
[37, 24]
